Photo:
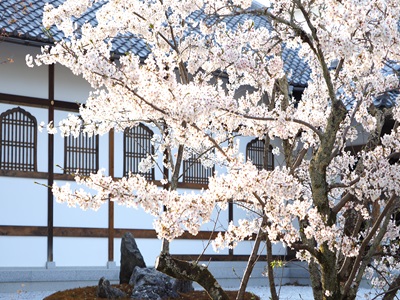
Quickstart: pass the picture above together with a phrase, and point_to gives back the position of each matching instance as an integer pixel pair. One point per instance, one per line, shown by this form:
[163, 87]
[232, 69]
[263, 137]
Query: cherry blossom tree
[335, 207]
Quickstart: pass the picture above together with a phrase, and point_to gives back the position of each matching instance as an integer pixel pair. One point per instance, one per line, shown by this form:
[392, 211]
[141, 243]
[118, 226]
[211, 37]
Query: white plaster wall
[118, 154]
[65, 216]
[22, 202]
[16, 251]
[128, 217]
[194, 247]
[42, 137]
[245, 248]
[149, 248]
[17, 78]
[69, 87]
[83, 252]
[219, 220]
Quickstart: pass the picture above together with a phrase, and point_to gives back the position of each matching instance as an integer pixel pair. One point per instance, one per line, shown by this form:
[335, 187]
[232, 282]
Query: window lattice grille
[81, 153]
[195, 172]
[137, 146]
[255, 153]
[18, 138]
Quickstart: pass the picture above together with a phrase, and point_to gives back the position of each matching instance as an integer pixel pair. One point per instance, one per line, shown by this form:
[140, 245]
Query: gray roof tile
[23, 20]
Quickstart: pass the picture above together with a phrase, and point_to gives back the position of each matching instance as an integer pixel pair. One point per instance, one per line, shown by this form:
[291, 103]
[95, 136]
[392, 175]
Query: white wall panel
[84, 252]
[219, 220]
[194, 247]
[69, 87]
[22, 202]
[245, 248]
[76, 217]
[26, 251]
[128, 217]
[17, 78]
[118, 154]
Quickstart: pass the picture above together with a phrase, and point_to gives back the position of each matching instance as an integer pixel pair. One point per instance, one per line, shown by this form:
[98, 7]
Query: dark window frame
[81, 153]
[18, 141]
[137, 138]
[195, 172]
[256, 146]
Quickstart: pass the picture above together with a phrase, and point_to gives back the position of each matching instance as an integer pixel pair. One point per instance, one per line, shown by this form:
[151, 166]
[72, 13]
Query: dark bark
[251, 262]
[183, 270]
[393, 288]
[315, 277]
[250, 265]
[270, 270]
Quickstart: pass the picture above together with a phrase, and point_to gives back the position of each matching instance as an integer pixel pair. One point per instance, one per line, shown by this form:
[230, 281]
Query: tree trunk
[315, 277]
[183, 270]
[330, 282]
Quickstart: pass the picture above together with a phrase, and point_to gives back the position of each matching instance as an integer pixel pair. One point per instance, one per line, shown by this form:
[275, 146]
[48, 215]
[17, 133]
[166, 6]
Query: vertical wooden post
[110, 203]
[50, 180]
[230, 217]
[230, 204]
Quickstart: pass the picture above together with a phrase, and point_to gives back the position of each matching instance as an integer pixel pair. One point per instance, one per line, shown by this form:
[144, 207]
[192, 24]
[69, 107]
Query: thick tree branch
[183, 270]
[366, 241]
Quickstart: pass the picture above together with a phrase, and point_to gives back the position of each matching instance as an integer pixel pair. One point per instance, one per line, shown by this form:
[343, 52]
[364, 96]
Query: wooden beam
[39, 231]
[230, 219]
[85, 232]
[13, 230]
[38, 102]
[50, 161]
[23, 174]
[217, 257]
[111, 203]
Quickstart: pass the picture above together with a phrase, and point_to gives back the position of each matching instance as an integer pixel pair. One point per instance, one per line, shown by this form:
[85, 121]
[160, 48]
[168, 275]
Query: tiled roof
[388, 99]
[22, 19]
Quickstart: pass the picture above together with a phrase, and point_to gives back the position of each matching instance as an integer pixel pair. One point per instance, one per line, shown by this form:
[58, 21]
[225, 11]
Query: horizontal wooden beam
[9, 230]
[23, 174]
[38, 102]
[82, 232]
[23, 230]
[217, 257]
[69, 177]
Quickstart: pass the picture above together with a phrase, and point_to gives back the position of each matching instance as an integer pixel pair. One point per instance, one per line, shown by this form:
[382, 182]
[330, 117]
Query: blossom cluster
[205, 83]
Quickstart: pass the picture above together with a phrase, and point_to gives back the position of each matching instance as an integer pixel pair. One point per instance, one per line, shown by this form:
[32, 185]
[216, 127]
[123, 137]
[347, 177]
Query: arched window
[81, 153]
[255, 153]
[195, 172]
[137, 146]
[18, 139]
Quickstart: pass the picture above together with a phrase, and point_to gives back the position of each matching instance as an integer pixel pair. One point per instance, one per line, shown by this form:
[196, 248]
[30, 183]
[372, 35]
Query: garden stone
[151, 284]
[105, 290]
[130, 258]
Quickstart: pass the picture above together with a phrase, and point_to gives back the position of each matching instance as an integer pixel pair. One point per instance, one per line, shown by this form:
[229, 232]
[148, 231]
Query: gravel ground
[286, 293]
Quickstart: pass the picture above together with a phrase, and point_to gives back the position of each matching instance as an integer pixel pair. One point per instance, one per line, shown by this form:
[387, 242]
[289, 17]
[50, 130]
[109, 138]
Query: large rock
[150, 284]
[105, 290]
[130, 258]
